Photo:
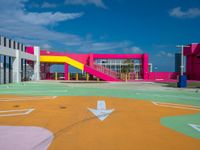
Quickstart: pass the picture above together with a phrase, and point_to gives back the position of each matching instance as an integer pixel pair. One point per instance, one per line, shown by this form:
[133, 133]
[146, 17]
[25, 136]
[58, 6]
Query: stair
[99, 74]
[98, 71]
[105, 70]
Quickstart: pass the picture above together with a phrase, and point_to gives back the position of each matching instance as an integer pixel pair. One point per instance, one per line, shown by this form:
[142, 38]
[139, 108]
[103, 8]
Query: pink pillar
[145, 66]
[66, 71]
[91, 62]
[48, 71]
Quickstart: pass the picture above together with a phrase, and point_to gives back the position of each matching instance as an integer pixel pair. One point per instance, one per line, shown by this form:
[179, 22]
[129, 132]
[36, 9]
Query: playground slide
[62, 59]
[78, 65]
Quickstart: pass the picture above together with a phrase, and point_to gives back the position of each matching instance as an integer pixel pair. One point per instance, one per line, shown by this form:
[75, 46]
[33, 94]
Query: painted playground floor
[53, 116]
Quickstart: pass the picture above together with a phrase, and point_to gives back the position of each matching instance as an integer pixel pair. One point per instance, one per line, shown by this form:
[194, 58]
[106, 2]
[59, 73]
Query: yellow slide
[62, 59]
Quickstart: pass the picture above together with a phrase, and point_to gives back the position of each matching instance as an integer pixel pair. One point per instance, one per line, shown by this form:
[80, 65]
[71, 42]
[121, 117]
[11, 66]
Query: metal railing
[106, 71]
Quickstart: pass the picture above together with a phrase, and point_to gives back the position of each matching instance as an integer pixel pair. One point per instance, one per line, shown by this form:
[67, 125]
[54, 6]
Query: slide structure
[78, 65]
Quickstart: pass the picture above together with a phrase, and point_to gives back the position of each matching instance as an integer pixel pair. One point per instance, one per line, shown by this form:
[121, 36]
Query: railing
[106, 71]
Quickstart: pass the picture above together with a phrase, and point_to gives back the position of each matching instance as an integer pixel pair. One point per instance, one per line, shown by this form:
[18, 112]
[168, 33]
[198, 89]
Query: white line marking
[20, 112]
[54, 97]
[155, 103]
[195, 126]
[179, 106]
[25, 98]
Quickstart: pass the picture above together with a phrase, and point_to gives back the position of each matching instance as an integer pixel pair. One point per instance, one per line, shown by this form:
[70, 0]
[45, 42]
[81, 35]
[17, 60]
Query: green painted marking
[181, 124]
[112, 90]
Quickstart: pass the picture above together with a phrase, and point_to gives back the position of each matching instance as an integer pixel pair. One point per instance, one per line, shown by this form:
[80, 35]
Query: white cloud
[47, 18]
[190, 13]
[134, 49]
[98, 3]
[165, 54]
[89, 46]
[31, 26]
[46, 46]
[48, 5]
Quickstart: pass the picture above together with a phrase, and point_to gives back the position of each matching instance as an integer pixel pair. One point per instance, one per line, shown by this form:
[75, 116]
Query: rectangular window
[22, 47]
[14, 44]
[9, 43]
[4, 41]
[18, 46]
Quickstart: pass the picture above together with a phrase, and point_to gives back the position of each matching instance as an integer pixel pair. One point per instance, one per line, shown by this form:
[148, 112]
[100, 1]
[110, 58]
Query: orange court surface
[132, 124]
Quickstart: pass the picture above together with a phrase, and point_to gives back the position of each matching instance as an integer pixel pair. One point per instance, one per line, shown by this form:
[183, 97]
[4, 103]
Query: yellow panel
[62, 59]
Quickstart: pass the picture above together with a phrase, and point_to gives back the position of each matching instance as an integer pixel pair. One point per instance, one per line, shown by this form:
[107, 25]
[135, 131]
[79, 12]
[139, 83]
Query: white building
[13, 60]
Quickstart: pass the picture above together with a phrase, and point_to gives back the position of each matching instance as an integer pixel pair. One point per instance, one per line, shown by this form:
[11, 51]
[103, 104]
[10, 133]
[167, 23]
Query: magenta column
[66, 66]
[91, 60]
[145, 66]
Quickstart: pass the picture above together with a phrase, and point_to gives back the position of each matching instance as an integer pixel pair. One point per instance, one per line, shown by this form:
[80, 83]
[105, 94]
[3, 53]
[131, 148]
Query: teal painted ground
[141, 91]
[181, 124]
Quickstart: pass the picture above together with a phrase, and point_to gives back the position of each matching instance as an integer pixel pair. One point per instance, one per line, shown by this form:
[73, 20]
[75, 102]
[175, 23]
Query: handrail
[105, 70]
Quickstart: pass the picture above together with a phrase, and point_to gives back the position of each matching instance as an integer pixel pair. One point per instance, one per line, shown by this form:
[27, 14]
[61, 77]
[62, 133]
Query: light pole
[182, 63]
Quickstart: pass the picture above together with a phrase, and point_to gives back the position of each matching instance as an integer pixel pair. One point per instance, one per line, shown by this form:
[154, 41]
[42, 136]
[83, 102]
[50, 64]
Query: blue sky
[104, 26]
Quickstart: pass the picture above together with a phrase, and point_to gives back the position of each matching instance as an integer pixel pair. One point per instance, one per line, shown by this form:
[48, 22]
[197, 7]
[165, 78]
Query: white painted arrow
[195, 126]
[101, 111]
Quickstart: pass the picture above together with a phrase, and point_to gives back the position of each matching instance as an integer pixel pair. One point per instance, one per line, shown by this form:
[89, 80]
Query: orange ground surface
[134, 124]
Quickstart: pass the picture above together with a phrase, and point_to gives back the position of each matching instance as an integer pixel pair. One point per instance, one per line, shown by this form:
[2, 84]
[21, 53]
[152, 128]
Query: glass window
[14, 44]
[18, 46]
[5, 41]
[22, 47]
[9, 43]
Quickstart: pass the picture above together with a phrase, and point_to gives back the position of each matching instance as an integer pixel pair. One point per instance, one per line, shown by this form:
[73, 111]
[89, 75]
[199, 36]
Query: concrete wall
[15, 51]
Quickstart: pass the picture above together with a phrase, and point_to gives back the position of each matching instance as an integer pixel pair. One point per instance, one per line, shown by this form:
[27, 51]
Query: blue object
[182, 83]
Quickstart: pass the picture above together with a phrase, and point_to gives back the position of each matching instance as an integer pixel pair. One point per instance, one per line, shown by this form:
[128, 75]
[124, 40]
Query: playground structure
[89, 64]
[21, 63]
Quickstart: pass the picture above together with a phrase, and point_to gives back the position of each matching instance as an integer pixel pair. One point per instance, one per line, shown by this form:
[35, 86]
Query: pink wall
[88, 59]
[30, 49]
[66, 71]
[193, 61]
[117, 56]
[162, 75]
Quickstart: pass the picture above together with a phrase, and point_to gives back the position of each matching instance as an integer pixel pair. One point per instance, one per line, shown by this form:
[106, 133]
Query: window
[22, 47]
[4, 41]
[14, 44]
[18, 46]
[9, 43]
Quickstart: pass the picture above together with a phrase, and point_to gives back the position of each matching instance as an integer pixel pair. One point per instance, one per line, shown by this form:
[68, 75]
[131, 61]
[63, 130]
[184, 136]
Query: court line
[25, 98]
[21, 112]
[179, 106]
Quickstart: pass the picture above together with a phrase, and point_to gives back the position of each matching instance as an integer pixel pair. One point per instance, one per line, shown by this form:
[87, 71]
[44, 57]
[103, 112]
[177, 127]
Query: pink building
[192, 54]
[107, 67]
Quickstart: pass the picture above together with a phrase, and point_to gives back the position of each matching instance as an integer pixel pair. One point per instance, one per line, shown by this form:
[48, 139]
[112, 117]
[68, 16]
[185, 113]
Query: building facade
[192, 54]
[13, 61]
[107, 67]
